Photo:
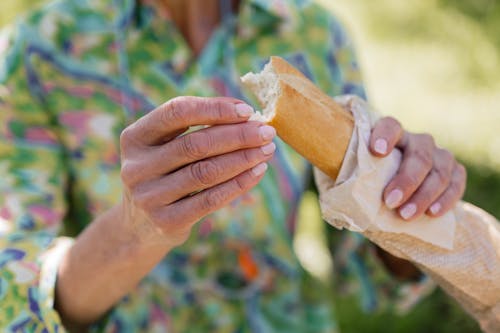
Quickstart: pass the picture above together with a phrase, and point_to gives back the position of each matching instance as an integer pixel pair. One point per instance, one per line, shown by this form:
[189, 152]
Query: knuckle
[196, 145]
[460, 176]
[427, 139]
[410, 182]
[443, 176]
[248, 157]
[446, 156]
[212, 108]
[214, 199]
[462, 172]
[126, 138]
[454, 188]
[446, 160]
[206, 106]
[142, 200]
[424, 157]
[217, 109]
[158, 218]
[129, 173]
[239, 184]
[243, 135]
[173, 111]
[205, 172]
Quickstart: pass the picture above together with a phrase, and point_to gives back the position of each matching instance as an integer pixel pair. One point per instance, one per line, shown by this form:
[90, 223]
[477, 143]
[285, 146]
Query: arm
[429, 179]
[122, 245]
[465, 237]
[170, 182]
[426, 171]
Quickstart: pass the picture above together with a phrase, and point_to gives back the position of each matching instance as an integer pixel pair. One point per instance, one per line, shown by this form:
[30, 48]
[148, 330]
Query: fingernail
[408, 211]
[259, 169]
[268, 149]
[381, 146]
[435, 208]
[267, 132]
[394, 198]
[244, 110]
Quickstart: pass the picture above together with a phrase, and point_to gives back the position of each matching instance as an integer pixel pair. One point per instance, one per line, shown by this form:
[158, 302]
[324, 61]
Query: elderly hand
[169, 183]
[429, 179]
[172, 181]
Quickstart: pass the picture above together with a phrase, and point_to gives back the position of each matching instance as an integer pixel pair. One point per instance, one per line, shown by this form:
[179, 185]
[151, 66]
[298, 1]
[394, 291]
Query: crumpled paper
[460, 251]
[355, 198]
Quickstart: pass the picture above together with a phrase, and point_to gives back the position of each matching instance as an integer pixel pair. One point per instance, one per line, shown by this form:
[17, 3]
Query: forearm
[105, 263]
[469, 271]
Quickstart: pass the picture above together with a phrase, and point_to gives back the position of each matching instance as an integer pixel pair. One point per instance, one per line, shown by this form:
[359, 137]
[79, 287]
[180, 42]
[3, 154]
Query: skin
[170, 182]
[429, 180]
[195, 19]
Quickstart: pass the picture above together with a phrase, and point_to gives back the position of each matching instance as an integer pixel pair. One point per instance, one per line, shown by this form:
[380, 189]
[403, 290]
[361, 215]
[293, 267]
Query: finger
[417, 162]
[193, 208]
[204, 174]
[206, 143]
[386, 133]
[453, 193]
[434, 185]
[163, 123]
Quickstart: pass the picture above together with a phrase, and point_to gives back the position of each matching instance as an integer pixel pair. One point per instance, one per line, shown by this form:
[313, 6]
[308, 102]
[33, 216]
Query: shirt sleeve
[33, 182]
[358, 269]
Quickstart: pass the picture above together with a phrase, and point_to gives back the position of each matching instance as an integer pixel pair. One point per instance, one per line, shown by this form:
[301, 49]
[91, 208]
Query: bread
[307, 119]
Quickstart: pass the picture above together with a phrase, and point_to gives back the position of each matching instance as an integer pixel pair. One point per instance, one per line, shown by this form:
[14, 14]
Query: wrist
[133, 238]
[110, 247]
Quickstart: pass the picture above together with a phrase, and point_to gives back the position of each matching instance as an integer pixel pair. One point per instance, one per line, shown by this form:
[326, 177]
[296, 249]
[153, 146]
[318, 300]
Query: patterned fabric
[72, 76]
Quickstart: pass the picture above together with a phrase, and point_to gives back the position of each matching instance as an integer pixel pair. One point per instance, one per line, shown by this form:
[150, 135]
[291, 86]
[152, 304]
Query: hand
[429, 179]
[171, 181]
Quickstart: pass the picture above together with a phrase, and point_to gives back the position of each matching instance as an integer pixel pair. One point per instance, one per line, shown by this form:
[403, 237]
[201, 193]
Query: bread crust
[310, 121]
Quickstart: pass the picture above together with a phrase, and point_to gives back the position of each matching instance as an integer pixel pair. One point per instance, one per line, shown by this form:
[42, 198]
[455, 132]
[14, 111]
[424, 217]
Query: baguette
[307, 119]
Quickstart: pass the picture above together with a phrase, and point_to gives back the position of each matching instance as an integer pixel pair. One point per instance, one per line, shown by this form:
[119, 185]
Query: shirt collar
[255, 15]
[281, 9]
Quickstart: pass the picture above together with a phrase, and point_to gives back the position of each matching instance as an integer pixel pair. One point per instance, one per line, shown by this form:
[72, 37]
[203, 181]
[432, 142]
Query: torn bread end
[265, 87]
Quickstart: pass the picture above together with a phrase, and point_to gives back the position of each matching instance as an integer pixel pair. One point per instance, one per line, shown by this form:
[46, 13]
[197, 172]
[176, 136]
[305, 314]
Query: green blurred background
[434, 65]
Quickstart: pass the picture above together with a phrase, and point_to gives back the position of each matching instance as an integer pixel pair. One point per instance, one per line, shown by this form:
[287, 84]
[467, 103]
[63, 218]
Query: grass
[436, 314]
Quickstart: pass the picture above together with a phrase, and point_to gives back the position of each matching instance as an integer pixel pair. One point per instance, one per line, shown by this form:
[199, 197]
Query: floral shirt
[73, 74]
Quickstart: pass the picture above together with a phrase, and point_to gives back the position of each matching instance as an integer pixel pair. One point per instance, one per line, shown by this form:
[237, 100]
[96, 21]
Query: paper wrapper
[460, 250]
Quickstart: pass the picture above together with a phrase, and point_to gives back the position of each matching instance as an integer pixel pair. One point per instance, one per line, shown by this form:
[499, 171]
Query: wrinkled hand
[429, 179]
[170, 181]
